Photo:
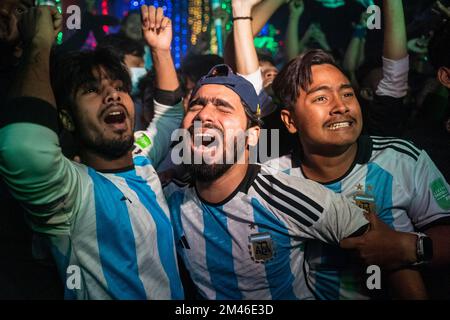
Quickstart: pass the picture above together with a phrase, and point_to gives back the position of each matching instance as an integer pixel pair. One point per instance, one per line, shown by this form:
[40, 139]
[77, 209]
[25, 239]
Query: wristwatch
[424, 249]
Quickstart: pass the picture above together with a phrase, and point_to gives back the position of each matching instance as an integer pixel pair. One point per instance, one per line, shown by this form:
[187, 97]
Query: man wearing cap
[239, 226]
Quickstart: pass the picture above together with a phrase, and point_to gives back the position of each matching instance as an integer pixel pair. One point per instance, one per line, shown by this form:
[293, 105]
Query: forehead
[219, 92]
[327, 74]
[100, 73]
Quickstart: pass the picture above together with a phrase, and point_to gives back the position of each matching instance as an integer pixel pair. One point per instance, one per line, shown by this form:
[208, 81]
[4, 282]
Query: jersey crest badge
[261, 247]
[365, 202]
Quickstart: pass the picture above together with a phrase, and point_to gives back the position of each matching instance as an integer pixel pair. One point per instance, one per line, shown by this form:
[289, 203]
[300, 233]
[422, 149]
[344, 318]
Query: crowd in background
[400, 75]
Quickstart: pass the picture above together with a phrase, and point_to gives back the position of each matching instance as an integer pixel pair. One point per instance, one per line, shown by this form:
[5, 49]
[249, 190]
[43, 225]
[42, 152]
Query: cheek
[188, 120]
[129, 104]
[233, 128]
[310, 118]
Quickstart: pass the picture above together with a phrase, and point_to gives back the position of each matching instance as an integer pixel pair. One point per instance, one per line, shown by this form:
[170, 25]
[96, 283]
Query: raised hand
[156, 28]
[40, 25]
[296, 7]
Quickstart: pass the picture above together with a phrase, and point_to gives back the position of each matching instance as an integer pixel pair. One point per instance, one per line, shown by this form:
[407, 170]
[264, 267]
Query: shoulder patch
[440, 193]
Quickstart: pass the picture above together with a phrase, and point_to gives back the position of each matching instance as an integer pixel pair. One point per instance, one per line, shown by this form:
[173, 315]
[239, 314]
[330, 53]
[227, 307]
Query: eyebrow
[215, 101]
[325, 87]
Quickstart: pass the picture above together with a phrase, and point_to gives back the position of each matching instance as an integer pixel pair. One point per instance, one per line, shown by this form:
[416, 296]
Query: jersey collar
[247, 181]
[363, 155]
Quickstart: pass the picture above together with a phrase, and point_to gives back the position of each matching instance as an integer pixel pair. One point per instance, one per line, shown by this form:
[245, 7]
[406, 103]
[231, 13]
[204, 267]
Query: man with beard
[106, 221]
[240, 226]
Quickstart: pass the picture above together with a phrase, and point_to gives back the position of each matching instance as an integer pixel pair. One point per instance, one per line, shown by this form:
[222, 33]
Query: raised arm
[154, 142]
[33, 77]
[394, 30]
[354, 55]
[260, 15]
[293, 45]
[387, 112]
[246, 57]
[31, 161]
[157, 31]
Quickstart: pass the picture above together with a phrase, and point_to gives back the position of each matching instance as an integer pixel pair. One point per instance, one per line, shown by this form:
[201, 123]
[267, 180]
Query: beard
[209, 172]
[110, 149]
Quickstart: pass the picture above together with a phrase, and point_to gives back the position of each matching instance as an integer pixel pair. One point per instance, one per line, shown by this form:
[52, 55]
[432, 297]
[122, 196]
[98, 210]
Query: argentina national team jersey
[390, 177]
[249, 246]
[109, 232]
[121, 239]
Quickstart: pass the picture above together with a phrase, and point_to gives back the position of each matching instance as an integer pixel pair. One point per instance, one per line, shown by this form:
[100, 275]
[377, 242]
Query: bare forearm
[407, 284]
[33, 77]
[260, 15]
[394, 30]
[362, 49]
[352, 55]
[166, 76]
[262, 12]
[246, 57]
[293, 44]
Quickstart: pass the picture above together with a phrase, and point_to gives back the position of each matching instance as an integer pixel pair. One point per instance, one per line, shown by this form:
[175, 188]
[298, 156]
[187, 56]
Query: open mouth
[340, 125]
[204, 140]
[115, 117]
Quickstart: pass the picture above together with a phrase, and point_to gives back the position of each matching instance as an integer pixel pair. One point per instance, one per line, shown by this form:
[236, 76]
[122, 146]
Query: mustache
[191, 129]
[115, 104]
[340, 119]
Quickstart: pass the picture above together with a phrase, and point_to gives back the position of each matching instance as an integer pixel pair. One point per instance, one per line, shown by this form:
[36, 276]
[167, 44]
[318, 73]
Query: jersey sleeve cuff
[255, 79]
[31, 110]
[395, 78]
[440, 221]
[169, 98]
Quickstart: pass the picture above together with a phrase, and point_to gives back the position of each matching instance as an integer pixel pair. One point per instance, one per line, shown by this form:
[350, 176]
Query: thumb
[373, 220]
[350, 243]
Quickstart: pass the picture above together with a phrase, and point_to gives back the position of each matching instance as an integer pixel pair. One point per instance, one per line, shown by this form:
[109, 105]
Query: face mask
[136, 75]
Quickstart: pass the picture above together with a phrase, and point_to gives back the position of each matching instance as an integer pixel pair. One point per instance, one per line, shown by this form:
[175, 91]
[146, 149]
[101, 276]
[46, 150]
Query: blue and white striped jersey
[389, 176]
[110, 232]
[249, 246]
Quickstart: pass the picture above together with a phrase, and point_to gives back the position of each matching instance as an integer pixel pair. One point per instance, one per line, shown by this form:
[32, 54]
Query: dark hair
[252, 119]
[439, 47]
[74, 70]
[198, 65]
[265, 57]
[297, 74]
[123, 45]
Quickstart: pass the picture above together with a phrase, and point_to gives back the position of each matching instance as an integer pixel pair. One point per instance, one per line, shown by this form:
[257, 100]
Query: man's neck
[221, 188]
[326, 167]
[100, 163]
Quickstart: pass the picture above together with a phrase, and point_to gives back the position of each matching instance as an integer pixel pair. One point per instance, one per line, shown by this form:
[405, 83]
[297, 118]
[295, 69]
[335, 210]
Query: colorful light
[60, 35]
[105, 12]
